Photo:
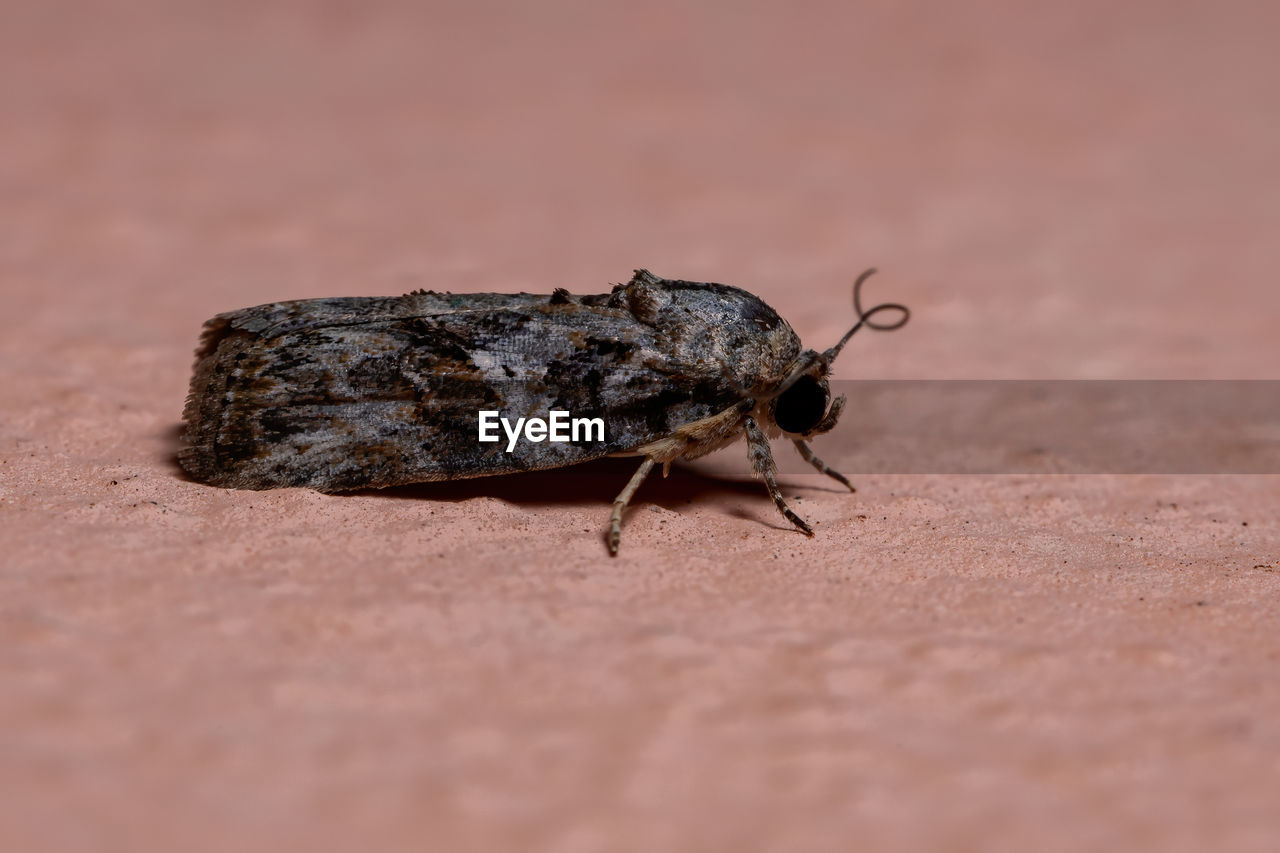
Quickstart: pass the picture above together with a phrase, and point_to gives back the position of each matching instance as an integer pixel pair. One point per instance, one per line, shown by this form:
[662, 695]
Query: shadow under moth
[367, 392]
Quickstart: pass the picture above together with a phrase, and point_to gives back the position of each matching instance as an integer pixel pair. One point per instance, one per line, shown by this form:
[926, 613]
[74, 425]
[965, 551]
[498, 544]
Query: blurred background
[1059, 190]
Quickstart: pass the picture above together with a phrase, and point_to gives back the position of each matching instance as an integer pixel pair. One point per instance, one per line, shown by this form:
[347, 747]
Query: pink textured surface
[1058, 190]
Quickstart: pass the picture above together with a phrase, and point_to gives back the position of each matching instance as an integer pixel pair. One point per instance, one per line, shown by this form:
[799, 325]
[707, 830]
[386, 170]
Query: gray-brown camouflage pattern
[368, 392]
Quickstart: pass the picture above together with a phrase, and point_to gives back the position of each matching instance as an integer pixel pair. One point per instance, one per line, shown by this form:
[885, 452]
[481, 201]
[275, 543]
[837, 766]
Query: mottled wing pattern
[339, 394]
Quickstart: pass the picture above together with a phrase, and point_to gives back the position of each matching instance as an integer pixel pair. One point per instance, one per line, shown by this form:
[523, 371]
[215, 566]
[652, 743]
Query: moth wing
[278, 318]
[339, 394]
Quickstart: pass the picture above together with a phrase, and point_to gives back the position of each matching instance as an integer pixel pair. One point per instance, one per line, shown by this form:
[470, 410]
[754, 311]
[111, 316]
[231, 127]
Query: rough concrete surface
[1083, 190]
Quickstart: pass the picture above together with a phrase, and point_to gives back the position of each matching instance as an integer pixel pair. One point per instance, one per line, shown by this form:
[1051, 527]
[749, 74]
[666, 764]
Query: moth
[368, 392]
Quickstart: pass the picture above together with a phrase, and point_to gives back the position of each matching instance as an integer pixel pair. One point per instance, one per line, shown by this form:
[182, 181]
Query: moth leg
[624, 498]
[762, 463]
[807, 453]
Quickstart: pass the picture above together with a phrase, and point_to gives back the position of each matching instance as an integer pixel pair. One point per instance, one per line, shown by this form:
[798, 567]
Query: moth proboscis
[368, 392]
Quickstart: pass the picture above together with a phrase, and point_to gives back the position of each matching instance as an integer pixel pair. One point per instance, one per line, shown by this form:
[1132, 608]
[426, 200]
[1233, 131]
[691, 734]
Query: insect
[367, 392]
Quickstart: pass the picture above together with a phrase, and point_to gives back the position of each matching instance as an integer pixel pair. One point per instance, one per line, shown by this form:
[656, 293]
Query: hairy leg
[807, 453]
[624, 498]
[762, 463]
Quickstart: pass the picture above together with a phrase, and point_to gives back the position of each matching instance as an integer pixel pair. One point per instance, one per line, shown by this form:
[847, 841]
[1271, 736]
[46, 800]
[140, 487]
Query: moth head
[800, 406]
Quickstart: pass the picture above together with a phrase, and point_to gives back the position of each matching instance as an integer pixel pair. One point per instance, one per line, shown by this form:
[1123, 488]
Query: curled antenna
[864, 317]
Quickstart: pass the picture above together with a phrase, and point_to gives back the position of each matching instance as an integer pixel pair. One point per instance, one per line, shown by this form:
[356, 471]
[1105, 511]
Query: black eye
[800, 407]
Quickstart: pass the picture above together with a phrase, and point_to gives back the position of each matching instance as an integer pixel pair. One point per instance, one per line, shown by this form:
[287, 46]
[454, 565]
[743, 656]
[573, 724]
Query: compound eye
[801, 407]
